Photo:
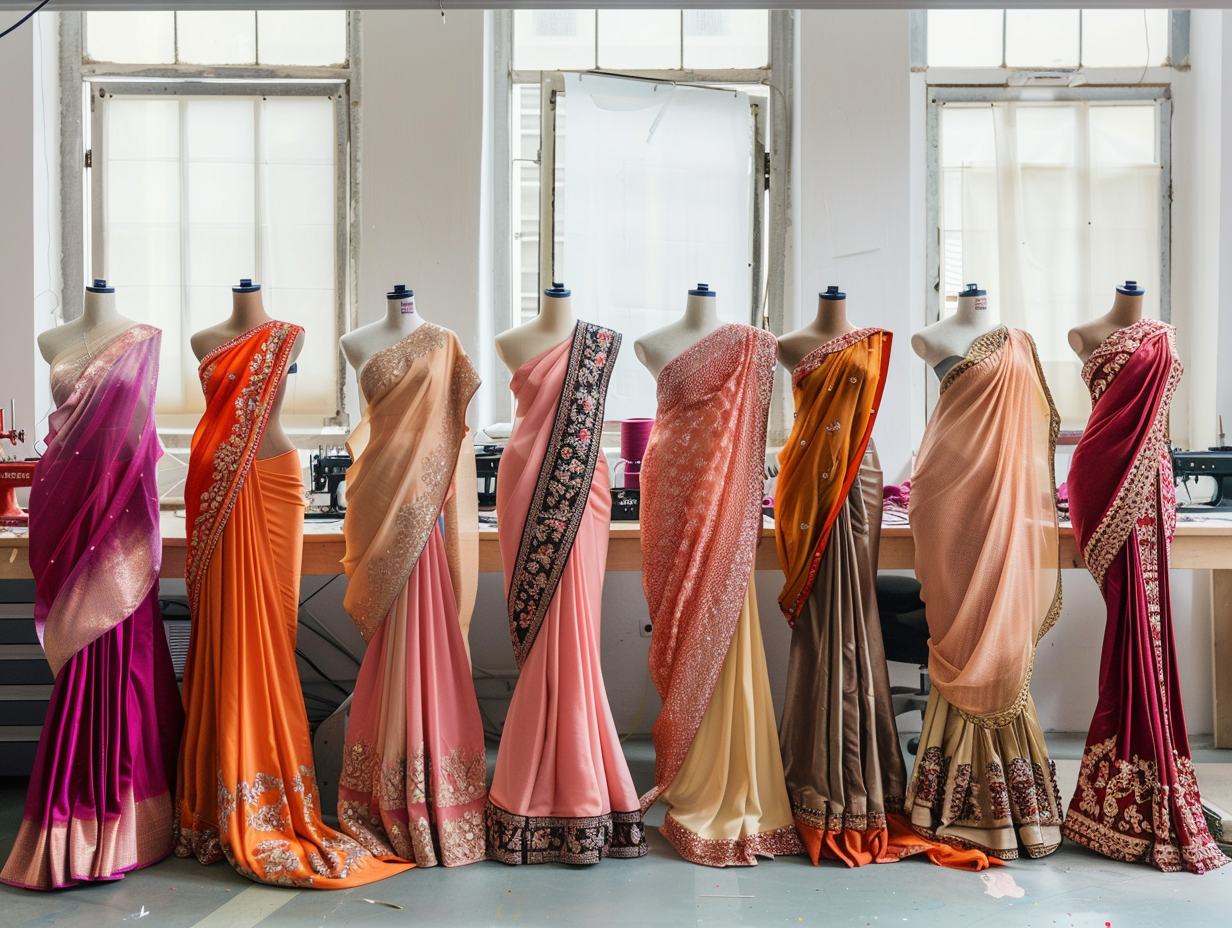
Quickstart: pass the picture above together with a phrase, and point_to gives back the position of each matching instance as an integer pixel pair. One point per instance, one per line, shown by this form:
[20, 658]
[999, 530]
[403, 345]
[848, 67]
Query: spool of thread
[634, 436]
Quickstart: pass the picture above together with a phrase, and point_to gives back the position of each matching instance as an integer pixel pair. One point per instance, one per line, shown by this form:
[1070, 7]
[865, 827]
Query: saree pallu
[99, 802]
[1137, 797]
[246, 785]
[983, 516]
[562, 790]
[717, 762]
[413, 780]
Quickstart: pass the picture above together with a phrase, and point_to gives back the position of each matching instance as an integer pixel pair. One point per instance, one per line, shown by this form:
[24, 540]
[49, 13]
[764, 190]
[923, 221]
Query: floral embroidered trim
[811, 361]
[519, 839]
[731, 852]
[88, 375]
[984, 346]
[556, 510]
[839, 821]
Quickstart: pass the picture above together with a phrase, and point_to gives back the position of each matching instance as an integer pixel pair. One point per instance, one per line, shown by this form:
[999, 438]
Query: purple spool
[634, 436]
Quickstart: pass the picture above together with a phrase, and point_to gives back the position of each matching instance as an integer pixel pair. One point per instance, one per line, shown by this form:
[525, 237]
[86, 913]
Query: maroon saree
[1137, 797]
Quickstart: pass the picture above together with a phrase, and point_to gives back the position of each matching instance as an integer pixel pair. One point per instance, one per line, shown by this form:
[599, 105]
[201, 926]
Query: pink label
[981, 303]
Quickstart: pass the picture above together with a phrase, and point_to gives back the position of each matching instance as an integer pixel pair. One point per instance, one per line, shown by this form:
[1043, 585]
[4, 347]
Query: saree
[1137, 797]
[99, 802]
[562, 790]
[413, 781]
[983, 517]
[246, 785]
[717, 763]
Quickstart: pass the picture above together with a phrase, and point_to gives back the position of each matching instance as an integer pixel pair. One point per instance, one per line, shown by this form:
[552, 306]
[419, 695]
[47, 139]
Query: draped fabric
[414, 775]
[716, 760]
[1137, 797]
[983, 516]
[99, 802]
[562, 790]
[246, 785]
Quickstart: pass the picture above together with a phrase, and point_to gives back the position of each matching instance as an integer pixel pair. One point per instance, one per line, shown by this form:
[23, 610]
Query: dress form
[553, 325]
[1126, 310]
[99, 322]
[950, 339]
[248, 312]
[701, 318]
[829, 323]
[401, 319]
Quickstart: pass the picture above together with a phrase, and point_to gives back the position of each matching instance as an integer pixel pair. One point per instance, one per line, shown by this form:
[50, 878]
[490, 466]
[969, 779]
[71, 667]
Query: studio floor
[1073, 887]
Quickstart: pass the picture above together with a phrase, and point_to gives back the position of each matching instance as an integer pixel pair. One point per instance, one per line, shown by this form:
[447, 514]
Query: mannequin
[1126, 310]
[943, 344]
[700, 319]
[401, 319]
[553, 325]
[98, 324]
[831, 322]
[247, 312]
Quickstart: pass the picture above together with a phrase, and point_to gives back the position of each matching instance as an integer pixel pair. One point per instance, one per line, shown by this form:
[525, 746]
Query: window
[197, 181]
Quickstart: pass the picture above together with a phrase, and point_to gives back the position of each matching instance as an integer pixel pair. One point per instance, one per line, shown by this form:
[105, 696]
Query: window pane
[133, 38]
[1124, 38]
[303, 37]
[964, 38]
[726, 38]
[216, 38]
[633, 39]
[1041, 38]
[553, 40]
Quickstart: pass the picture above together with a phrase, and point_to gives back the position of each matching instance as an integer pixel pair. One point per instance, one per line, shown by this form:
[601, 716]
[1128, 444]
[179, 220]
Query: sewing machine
[13, 474]
[328, 468]
[1203, 479]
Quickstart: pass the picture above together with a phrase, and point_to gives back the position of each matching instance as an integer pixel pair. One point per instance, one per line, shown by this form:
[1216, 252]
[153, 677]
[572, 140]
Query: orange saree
[983, 515]
[414, 777]
[717, 763]
[246, 786]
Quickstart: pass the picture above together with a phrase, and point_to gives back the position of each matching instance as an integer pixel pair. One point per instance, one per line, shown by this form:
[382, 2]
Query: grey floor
[1073, 887]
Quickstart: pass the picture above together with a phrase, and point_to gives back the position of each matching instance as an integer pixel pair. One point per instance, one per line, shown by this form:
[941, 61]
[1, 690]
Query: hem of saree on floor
[541, 839]
[730, 852]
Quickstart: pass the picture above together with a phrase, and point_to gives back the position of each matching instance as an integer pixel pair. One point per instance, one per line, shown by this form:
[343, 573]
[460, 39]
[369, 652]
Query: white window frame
[81, 199]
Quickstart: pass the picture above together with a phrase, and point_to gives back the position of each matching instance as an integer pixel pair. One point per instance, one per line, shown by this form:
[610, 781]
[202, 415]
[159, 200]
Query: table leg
[1221, 651]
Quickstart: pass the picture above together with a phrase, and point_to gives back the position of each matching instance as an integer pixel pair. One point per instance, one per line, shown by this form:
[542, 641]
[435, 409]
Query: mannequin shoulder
[1085, 338]
[54, 341]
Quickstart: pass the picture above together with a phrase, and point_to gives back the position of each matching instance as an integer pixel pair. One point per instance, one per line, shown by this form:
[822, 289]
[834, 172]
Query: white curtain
[657, 198]
[1051, 207]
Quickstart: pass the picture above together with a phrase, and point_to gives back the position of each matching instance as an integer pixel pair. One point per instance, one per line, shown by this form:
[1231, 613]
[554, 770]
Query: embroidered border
[520, 839]
[984, 346]
[731, 852]
[811, 361]
[556, 510]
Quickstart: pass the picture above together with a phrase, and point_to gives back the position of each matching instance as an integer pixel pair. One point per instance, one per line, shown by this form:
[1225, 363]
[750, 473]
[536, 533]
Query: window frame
[79, 194]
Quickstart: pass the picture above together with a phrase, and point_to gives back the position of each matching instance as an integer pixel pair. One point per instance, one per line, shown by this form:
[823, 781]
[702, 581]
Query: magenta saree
[1137, 796]
[99, 802]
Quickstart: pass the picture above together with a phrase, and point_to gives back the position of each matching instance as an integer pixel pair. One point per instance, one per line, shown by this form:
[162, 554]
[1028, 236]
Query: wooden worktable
[1199, 545]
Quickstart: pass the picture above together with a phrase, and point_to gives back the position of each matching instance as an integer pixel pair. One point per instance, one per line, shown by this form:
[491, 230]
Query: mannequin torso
[553, 325]
[701, 318]
[1126, 310]
[830, 322]
[247, 312]
[98, 324]
[401, 319]
[943, 344]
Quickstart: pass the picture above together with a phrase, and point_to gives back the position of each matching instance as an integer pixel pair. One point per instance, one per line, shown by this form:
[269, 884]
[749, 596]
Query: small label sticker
[981, 303]
[407, 306]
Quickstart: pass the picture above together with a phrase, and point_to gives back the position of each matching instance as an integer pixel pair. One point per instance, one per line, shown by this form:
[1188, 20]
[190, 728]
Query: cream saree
[983, 516]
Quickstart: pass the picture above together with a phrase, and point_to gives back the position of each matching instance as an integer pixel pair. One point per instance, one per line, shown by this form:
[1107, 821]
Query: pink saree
[562, 790]
[414, 776]
[100, 800]
[1137, 796]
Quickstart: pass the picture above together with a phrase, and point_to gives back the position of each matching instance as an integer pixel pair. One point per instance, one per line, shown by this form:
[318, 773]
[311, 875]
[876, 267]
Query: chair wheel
[913, 745]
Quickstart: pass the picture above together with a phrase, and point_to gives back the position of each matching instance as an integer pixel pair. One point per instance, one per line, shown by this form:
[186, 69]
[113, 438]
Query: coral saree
[562, 790]
[99, 802]
[717, 763]
[983, 515]
[414, 777]
[1137, 797]
[246, 785]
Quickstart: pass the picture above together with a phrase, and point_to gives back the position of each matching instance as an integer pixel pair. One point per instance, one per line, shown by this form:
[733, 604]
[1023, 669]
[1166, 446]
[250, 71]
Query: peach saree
[983, 516]
[562, 790]
[246, 784]
[717, 762]
[413, 779]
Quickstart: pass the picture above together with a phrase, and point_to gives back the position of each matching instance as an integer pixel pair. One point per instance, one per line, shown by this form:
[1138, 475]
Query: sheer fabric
[1137, 797]
[99, 802]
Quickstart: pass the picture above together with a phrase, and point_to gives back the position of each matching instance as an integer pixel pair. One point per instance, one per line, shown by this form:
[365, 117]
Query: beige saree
[983, 516]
